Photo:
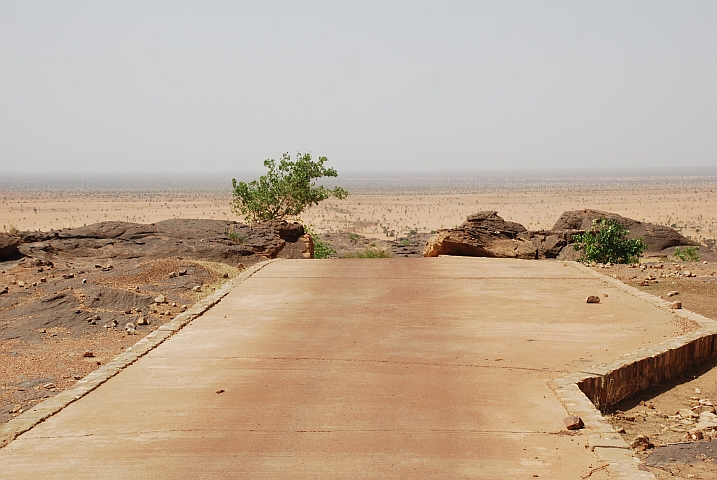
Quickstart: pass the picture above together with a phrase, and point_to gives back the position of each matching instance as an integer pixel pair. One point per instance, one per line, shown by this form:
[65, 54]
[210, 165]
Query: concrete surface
[360, 368]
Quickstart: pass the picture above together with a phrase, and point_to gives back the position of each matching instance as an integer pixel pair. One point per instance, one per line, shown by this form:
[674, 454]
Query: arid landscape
[80, 293]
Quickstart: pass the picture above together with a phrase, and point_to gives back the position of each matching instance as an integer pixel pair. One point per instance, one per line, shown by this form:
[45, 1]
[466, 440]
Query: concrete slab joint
[42, 411]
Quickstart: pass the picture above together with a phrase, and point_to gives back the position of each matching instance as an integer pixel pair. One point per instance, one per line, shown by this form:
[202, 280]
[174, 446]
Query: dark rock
[8, 246]
[194, 238]
[573, 423]
[657, 237]
[592, 299]
[486, 234]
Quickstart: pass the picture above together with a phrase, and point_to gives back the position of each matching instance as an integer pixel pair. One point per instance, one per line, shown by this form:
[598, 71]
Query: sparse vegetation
[354, 237]
[321, 249]
[369, 253]
[687, 254]
[606, 243]
[235, 236]
[286, 190]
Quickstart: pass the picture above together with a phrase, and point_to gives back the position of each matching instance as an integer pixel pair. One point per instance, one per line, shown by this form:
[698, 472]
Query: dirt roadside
[684, 445]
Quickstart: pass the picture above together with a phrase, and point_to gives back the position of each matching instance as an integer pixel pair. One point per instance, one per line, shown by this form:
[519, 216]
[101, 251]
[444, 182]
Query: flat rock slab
[689, 453]
[356, 368]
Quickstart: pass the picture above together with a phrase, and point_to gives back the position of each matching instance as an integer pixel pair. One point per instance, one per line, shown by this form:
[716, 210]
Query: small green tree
[286, 190]
[606, 242]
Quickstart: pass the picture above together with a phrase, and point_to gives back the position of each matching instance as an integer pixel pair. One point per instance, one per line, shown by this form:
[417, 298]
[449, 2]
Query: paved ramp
[360, 368]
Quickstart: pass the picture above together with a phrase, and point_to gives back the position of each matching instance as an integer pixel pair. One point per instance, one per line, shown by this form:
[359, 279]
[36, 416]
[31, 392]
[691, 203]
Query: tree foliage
[286, 190]
[606, 243]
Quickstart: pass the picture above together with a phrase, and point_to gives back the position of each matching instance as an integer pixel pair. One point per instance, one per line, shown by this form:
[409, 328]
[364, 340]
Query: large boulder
[8, 245]
[484, 234]
[657, 237]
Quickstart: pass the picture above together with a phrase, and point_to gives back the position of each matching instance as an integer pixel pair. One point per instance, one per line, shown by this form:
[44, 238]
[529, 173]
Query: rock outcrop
[486, 234]
[8, 245]
[657, 237]
[213, 240]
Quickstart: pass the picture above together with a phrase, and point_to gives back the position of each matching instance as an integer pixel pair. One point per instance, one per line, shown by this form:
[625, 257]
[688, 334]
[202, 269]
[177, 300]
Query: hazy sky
[152, 86]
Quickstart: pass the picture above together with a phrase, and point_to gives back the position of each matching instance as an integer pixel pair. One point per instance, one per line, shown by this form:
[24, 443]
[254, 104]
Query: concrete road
[357, 368]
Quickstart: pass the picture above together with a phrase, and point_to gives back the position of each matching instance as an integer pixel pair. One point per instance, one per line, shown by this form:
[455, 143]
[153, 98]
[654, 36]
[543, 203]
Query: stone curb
[638, 368]
[43, 410]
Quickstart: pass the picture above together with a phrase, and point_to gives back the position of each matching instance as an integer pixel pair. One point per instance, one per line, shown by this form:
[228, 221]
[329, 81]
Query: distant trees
[286, 190]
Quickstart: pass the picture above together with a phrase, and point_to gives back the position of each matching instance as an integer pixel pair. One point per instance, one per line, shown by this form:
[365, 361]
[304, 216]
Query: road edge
[603, 440]
[44, 410]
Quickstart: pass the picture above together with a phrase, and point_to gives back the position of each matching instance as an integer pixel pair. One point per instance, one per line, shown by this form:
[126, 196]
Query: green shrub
[285, 190]
[236, 237]
[354, 237]
[606, 243]
[369, 253]
[321, 249]
[687, 254]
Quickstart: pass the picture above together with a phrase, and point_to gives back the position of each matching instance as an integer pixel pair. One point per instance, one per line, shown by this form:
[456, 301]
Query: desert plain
[380, 209]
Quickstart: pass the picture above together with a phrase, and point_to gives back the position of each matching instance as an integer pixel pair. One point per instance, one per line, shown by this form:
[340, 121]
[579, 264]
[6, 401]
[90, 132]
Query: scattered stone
[621, 430]
[226, 275]
[220, 391]
[84, 280]
[673, 293]
[183, 308]
[182, 272]
[128, 311]
[130, 329]
[197, 288]
[695, 434]
[43, 280]
[49, 385]
[4, 290]
[160, 299]
[592, 299]
[687, 413]
[641, 443]
[68, 275]
[687, 273]
[174, 304]
[167, 313]
[142, 321]
[88, 354]
[573, 423]
[676, 305]
[172, 274]
[21, 284]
